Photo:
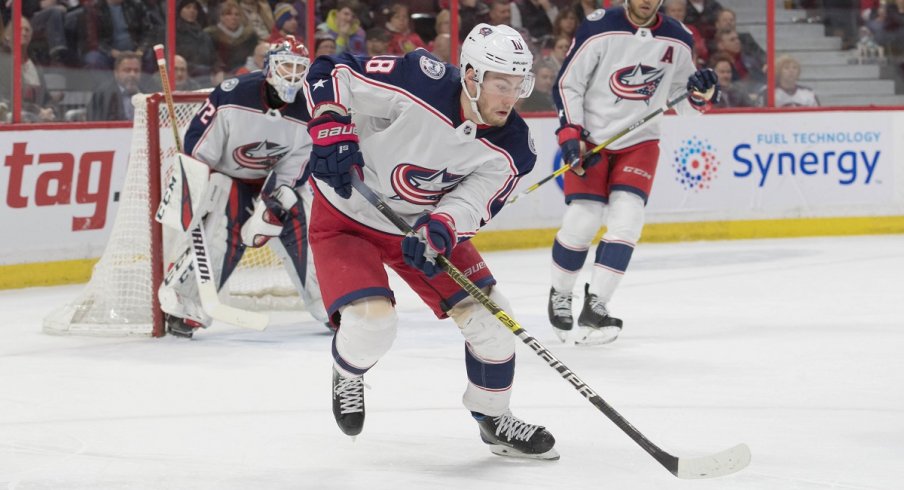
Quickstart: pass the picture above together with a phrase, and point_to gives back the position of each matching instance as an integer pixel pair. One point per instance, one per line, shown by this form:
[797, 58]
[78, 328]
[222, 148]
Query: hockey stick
[598, 148]
[719, 464]
[207, 286]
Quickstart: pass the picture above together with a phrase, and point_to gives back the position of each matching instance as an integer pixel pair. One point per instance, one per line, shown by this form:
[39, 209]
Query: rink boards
[721, 176]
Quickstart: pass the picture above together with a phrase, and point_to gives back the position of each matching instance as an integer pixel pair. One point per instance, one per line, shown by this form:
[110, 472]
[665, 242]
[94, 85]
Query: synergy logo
[695, 164]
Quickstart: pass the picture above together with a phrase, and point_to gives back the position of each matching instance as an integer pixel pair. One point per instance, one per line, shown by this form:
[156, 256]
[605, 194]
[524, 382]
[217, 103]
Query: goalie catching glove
[271, 211]
[573, 141]
[434, 234]
[335, 153]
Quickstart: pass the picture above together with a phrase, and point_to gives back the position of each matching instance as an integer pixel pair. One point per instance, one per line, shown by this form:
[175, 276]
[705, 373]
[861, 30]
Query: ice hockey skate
[596, 326]
[181, 327]
[510, 436]
[560, 316]
[348, 403]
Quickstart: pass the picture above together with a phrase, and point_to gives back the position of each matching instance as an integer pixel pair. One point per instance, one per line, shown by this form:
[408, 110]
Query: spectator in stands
[788, 93]
[343, 26]
[702, 15]
[442, 25]
[111, 27]
[732, 94]
[37, 105]
[841, 18]
[537, 17]
[442, 47]
[234, 41]
[748, 68]
[540, 99]
[887, 26]
[557, 55]
[48, 44]
[324, 46]
[727, 20]
[285, 22]
[470, 13]
[500, 12]
[255, 62]
[377, 42]
[180, 73]
[566, 24]
[112, 101]
[156, 12]
[583, 8]
[192, 42]
[258, 17]
[208, 13]
[677, 9]
[402, 39]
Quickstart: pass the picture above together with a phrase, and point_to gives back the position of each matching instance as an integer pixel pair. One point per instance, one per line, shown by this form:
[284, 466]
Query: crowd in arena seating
[79, 56]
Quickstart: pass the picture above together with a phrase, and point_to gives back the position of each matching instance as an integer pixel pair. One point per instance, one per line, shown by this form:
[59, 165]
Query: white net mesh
[119, 298]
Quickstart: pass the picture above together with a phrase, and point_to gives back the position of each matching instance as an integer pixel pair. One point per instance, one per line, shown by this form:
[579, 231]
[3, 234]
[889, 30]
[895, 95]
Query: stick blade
[716, 465]
[210, 301]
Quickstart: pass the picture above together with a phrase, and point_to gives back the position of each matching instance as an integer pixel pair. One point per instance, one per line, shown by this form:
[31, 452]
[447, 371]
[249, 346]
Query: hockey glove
[434, 234]
[271, 212]
[573, 141]
[698, 88]
[335, 151]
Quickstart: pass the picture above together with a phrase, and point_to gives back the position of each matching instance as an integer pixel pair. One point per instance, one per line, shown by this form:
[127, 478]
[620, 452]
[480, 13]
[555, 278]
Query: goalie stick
[598, 148]
[207, 285]
[719, 464]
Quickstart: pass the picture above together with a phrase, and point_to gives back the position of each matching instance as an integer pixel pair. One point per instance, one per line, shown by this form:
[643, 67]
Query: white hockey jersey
[418, 151]
[800, 97]
[236, 133]
[615, 73]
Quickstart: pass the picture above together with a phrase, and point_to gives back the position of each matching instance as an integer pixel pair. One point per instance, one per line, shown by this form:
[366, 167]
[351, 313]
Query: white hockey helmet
[499, 49]
[286, 65]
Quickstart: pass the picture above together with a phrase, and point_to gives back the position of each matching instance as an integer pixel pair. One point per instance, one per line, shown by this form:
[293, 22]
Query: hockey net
[120, 298]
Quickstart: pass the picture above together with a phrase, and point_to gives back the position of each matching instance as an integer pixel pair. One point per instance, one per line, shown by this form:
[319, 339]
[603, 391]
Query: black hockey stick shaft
[665, 459]
[598, 148]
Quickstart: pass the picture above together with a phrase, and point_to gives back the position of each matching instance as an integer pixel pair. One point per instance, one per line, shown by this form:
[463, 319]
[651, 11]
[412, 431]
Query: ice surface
[795, 347]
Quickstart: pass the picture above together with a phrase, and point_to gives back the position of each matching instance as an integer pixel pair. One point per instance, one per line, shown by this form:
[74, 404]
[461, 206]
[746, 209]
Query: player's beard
[638, 16]
[492, 112]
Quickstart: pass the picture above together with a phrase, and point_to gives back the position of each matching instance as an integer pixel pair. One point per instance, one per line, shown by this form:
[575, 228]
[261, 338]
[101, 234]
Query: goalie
[243, 176]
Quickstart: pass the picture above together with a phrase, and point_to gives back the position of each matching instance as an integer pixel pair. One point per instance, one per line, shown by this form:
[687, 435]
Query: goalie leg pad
[582, 220]
[178, 294]
[185, 192]
[298, 258]
[366, 333]
[489, 355]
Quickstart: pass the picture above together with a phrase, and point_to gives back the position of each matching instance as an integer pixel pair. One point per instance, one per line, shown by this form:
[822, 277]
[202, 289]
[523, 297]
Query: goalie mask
[285, 67]
[499, 49]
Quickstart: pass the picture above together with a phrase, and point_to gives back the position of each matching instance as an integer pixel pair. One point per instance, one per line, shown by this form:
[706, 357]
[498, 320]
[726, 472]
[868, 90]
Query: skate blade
[598, 336]
[499, 450]
[561, 334]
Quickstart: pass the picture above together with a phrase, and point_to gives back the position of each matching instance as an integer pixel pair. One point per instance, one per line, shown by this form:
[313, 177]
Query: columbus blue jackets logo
[260, 155]
[422, 186]
[485, 31]
[636, 82]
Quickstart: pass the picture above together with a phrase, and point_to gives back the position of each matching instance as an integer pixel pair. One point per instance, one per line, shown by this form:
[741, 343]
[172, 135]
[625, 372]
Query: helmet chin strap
[473, 100]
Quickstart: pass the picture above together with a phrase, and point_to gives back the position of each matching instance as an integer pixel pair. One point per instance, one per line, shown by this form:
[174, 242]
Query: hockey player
[445, 148]
[253, 129]
[624, 63]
